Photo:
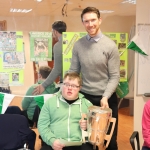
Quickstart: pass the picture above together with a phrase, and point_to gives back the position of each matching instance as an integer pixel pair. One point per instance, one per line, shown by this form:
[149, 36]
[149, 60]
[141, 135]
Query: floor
[125, 129]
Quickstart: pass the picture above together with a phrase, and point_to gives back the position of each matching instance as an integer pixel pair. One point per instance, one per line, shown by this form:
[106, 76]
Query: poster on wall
[121, 40]
[11, 41]
[69, 38]
[11, 58]
[4, 79]
[8, 41]
[40, 46]
[16, 78]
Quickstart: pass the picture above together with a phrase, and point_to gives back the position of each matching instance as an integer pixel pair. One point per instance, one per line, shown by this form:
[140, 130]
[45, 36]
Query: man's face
[91, 23]
[70, 89]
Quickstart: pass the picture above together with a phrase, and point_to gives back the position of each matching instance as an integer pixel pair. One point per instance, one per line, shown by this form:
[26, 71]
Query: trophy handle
[108, 137]
[84, 133]
[84, 116]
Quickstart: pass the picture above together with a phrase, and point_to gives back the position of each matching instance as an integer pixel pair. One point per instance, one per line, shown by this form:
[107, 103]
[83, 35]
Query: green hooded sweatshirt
[29, 104]
[59, 120]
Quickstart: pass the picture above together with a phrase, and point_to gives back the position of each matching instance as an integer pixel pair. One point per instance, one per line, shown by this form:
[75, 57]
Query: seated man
[28, 103]
[60, 117]
[146, 126]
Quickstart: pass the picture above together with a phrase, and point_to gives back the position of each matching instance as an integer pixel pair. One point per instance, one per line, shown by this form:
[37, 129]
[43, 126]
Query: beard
[94, 31]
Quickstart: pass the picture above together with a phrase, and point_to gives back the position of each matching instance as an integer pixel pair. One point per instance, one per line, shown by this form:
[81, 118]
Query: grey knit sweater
[57, 69]
[99, 65]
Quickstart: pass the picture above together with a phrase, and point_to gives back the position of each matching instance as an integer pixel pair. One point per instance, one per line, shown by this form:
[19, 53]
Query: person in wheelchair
[28, 103]
[60, 121]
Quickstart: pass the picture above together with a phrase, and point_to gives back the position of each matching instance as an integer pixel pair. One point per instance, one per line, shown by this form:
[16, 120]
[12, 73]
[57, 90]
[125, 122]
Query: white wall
[142, 16]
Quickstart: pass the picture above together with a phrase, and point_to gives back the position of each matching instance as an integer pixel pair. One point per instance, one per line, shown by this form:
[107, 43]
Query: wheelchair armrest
[135, 135]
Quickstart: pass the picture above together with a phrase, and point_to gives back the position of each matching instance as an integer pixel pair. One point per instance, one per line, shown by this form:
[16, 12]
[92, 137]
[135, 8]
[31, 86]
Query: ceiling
[72, 9]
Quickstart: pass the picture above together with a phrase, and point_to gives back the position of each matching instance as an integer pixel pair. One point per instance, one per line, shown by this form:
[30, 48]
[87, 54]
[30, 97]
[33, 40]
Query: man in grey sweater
[58, 27]
[96, 57]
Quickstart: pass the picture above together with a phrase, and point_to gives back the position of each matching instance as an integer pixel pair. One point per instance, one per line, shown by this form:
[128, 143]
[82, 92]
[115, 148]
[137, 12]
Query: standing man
[58, 27]
[96, 57]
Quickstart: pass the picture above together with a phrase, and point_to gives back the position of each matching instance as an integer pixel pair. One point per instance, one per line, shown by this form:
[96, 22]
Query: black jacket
[15, 132]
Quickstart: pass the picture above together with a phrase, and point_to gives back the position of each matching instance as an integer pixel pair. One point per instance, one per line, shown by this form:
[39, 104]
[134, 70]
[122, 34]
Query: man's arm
[114, 76]
[113, 72]
[56, 71]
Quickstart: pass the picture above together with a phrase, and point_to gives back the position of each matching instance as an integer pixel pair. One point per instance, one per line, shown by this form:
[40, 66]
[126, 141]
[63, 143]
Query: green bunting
[39, 100]
[1, 102]
[5, 100]
[122, 89]
[137, 45]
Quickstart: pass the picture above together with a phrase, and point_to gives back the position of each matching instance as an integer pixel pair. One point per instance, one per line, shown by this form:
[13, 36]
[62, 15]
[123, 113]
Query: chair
[35, 120]
[135, 135]
[15, 132]
[13, 110]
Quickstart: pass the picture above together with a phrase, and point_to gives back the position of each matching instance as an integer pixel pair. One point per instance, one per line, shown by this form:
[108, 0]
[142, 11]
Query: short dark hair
[90, 9]
[44, 71]
[73, 75]
[59, 26]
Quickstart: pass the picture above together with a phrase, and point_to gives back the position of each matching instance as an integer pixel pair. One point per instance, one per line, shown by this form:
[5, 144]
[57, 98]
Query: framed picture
[3, 25]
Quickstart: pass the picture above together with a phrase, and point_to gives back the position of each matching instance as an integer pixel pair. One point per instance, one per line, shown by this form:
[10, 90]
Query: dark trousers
[86, 146]
[24, 113]
[113, 104]
[145, 148]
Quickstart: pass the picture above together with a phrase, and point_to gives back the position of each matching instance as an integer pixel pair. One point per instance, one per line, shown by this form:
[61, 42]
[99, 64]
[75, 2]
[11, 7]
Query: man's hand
[38, 90]
[104, 102]
[83, 124]
[57, 145]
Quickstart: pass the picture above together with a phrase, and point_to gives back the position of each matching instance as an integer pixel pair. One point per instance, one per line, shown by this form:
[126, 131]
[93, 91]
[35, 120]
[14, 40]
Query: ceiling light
[39, 0]
[106, 11]
[129, 1]
[28, 10]
[20, 10]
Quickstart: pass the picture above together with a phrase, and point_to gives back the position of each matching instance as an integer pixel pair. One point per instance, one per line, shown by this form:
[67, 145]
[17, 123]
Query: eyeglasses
[71, 85]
